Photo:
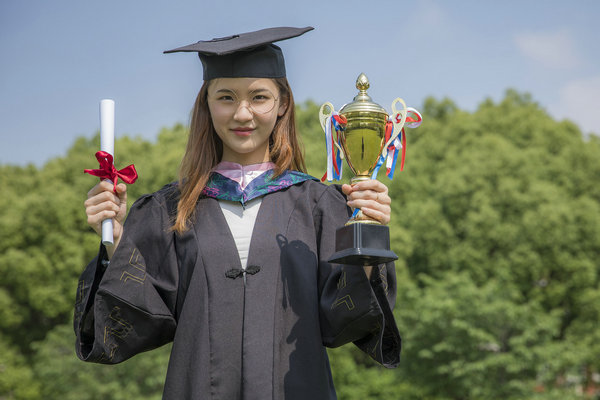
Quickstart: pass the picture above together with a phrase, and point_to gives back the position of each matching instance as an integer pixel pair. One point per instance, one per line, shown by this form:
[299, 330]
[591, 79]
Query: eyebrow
[225, 90]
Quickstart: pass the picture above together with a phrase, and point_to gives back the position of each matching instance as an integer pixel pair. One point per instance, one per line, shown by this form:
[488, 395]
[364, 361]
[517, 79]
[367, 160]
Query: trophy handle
[325, 112]
[398, 119]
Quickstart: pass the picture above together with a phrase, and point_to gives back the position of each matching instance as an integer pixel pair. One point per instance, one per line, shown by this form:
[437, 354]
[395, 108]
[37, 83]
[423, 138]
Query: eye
[260, 97]
[226, 98]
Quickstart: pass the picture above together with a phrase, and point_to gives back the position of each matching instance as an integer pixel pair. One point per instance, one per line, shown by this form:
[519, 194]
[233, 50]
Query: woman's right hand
[102, 203]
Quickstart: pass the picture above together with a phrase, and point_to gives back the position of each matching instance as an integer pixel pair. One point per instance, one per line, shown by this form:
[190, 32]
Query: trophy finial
[362, 102]
[362, 82]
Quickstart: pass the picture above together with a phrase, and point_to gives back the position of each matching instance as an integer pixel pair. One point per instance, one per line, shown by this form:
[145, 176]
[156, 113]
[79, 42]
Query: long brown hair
[204, 150]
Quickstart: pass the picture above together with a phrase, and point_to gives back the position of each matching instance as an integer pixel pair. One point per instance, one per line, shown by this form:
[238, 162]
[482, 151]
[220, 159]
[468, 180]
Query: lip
[242, 131]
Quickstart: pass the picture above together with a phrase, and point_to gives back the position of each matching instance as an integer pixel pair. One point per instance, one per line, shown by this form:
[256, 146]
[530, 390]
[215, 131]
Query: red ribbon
[340, 119]
[389, 127]
[107, 170]
[403, 150]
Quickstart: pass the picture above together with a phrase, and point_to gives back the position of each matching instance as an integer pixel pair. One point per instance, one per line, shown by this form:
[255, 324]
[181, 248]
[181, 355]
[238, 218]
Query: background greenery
[496, 219]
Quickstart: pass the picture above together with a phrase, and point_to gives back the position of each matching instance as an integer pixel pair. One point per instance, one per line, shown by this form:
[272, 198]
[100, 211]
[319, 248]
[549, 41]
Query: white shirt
[240, 218]
[241, 224]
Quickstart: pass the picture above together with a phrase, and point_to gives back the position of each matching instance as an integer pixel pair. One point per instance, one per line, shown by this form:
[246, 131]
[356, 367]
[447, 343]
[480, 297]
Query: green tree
[44, 245]
[496, 222]
[501, 228]
[64, 376]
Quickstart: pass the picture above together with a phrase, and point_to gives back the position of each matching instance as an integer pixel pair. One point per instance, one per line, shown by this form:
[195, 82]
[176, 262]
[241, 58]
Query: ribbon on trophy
[335, 154]
[395, 139]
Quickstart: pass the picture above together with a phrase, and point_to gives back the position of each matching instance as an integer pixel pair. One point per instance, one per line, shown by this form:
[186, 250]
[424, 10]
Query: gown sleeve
[128, 305]
[352, 307]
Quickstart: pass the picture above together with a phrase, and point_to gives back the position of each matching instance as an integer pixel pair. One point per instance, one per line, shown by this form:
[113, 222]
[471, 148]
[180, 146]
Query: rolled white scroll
[107, 144]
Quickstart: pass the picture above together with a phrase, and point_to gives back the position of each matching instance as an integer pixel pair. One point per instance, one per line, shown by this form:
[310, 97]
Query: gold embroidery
[105, 357]
[121, 329]
[347, 300]
[138, 271]
[342, 281]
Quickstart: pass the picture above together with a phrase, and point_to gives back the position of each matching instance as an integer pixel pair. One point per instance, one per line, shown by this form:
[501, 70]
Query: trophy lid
[362, 102]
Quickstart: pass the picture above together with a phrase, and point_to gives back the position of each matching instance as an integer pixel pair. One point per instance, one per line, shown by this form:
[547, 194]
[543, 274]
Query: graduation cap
[246, 55]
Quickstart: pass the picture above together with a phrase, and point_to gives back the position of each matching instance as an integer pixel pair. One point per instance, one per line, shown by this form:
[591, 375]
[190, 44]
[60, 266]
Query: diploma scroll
[107, 144]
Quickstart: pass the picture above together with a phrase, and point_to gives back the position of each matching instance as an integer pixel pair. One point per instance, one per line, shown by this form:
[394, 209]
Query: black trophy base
[362, 244]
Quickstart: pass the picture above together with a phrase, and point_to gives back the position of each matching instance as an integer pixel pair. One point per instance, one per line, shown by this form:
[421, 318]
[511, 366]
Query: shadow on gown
[308, 359]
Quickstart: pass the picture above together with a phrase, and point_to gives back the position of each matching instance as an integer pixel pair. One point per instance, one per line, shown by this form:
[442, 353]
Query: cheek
[217, 122]
[270, 120]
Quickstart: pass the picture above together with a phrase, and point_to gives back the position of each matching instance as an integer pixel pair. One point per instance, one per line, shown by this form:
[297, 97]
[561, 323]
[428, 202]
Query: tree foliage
[500, 225]
[496, 222]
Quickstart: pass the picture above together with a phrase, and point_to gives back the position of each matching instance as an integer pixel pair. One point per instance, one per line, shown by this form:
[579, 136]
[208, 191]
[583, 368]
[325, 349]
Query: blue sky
[61, 57]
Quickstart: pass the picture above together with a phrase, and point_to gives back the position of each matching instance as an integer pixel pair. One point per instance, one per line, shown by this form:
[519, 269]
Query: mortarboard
[246, 55]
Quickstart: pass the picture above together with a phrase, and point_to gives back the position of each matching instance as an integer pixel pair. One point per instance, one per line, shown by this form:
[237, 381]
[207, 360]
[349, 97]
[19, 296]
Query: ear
[282, 108]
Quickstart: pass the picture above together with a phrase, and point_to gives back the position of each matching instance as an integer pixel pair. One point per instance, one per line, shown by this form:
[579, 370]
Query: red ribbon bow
[107, 170]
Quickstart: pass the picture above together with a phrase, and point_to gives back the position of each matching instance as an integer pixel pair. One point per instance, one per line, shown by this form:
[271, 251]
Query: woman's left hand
[371, 197]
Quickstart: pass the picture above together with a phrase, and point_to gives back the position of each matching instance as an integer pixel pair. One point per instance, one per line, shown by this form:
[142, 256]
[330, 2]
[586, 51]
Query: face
[239, 109]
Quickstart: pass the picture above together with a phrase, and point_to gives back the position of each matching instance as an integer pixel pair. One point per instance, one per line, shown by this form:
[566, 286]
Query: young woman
[229, 263]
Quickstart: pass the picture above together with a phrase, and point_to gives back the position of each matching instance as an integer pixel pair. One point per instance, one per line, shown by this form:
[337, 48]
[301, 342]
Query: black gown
[261, 337]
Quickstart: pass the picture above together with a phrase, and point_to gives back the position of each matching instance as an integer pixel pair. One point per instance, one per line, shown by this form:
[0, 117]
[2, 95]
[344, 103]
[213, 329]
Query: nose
[243, 112]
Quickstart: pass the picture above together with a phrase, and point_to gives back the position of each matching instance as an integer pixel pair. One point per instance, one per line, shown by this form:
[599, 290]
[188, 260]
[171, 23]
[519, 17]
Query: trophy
[364, 135]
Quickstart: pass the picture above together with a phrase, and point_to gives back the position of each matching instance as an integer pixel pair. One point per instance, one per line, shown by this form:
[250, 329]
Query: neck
[246, 159]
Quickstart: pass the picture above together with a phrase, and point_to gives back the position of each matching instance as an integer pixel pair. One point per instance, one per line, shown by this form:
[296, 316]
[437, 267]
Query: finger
[107, 206]
[371, 189]
[95, 190]
[383, 210]
[101, 198]
[363, 195]
[379, 197]
[346, 189]
[121, 189]
[372, 204]
[104, 186]
[371, 184]
[95, 220]
[377, 215]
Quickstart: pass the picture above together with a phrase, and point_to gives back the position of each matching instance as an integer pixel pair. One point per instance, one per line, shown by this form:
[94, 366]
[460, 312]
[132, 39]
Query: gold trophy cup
[363, 241]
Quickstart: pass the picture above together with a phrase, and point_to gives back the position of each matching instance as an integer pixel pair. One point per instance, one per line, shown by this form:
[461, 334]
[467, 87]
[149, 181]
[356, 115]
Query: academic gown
[258, 334]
